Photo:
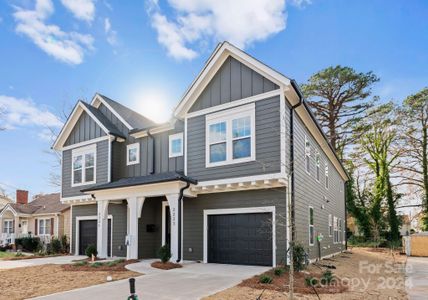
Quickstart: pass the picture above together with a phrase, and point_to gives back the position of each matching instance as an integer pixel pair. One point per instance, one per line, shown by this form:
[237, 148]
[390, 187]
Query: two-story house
[216, 182]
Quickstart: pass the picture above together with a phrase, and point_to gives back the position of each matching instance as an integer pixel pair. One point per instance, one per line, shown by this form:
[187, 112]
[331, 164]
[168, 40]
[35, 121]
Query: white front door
[24, 227]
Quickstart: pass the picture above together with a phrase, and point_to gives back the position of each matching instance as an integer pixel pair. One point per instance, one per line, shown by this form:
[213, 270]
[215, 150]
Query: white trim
[330, 225]
[227, 116]
[132, 146]
[101, 100]
[12, 227]
[81, 198]
[307, 155]
[70, 226]
[185, 146]
[172, 137]
[85, 143]
[246, 210]
[164, 205]
[233, 180]
[235, 103]
[11, 209]
[317, 166]
[82, 152]
[76, 238]
[309, 225]
[326, 176]
[283, 130]
[50, 226]
[154, 130]
[109, 162]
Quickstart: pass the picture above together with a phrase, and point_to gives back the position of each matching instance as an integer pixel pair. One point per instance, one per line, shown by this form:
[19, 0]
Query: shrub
[115, 262]
[19, 254]
[65, 245]
[80, 263]
[279, 271]
[299, 257]
[30, 243]
[265, 279]
[164, 253]
[5, 248]
[327, 277]
[55, 246]
[91, 250]
[311, 281]
[96, 264]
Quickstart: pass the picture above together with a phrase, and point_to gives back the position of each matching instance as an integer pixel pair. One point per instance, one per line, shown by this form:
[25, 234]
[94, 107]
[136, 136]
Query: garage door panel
[88, 235]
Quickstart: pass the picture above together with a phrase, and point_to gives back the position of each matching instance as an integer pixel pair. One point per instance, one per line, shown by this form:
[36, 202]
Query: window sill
[132, 163]
[175, 155]
[231, 162]
[83, 184]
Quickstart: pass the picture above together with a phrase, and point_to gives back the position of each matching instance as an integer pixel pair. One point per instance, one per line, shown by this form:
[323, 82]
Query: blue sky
[146, 53]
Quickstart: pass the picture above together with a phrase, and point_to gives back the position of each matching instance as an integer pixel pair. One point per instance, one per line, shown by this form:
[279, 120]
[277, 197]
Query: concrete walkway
[193, 281]
[417, 278]
[57, 260]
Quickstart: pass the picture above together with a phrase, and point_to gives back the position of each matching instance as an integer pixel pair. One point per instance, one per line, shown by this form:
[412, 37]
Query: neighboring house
[215, 182]
[45, 216]
[3, 201]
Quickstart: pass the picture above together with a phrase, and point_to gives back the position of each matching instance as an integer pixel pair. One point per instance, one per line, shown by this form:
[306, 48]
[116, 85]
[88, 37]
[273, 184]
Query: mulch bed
[280, 283]
[165, 266]
[98, 266]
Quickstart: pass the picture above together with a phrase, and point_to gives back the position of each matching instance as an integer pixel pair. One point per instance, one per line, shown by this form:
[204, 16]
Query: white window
[339, 238]
[176, 145]
[330, 225]
[44, 227]
[8, 227]
[133, 154]
[318, 164]
[311, 226]
[307, 155]
[83, 166]
[230, 136]
[326, 176]
[335, 237]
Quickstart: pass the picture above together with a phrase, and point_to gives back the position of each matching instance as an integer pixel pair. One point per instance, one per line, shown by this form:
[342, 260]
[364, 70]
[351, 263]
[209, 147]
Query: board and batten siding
[193, 217]
[102, 157]
[310, 192]
[232, 81]
[113, 119]
[85, 129]
[268, 156]
[117, 211]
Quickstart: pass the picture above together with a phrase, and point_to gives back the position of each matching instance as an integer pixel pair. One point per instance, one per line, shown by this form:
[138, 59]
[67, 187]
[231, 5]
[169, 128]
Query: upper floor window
[307, 155]
[311, 226]
[230, 136]
[83, 166]
[330, 225]
[44, 226]
[318, 164]
[8, 227]
[133, 154]
[326, 176]
[176, 145]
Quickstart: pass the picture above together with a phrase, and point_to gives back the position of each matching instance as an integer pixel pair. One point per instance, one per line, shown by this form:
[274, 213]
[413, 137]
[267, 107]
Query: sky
[145, 54]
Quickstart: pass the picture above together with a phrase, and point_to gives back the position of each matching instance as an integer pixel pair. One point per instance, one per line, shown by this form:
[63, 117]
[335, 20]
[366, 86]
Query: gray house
[216, 182]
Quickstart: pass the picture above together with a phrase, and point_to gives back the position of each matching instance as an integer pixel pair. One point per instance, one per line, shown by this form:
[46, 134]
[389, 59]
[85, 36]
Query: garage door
[88, 235]
[243, 239]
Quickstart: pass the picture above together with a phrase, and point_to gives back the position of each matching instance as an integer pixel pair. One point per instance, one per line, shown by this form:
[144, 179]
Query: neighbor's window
[8, 227]
[330, 225]
[318, 163]
[176, 145]
[311, 226]
[230, 136]
[335, 237]
[83, 164]
[307, 155]
[133, 154]
[326, 176]
[44, 226]
[340, 231]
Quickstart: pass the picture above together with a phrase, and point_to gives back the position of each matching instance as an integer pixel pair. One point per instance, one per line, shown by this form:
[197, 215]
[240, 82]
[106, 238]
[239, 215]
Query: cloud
[81, 9]
[15, 113]
[68, 47]
[194, 23]
[111, 34]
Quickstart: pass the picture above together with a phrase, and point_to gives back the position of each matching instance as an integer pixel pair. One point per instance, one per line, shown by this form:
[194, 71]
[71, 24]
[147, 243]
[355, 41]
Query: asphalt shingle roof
[42, 204]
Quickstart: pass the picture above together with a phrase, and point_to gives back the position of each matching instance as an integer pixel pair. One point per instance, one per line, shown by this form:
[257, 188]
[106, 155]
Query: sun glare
[153, 104]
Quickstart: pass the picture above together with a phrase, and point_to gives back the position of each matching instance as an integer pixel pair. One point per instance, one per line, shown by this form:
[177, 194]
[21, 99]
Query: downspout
[180, 201]
[153, 152]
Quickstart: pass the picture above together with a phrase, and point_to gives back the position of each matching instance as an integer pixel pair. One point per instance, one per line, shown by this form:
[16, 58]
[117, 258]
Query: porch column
[16, 229]
[102, 228]
[173, 208]
[135, 206]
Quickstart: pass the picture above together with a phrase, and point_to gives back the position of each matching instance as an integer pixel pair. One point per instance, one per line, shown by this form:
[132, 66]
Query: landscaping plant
[265, 279]
[327, 277]
[279, 271]
[164, 253]
[91, 250]
[311, 281]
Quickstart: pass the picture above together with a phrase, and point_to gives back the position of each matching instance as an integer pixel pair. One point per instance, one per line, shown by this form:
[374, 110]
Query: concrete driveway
[193, 281]
[57, 260]
[417, 278]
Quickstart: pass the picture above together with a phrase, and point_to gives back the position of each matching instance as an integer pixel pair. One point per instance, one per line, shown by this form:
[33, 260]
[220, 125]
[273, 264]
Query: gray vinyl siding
[113, 119]
[101, 169]
[117, 211]
[310, 192]
[268, 157]
[85, 129]
[232, 81]
[150, 242]
[193, 216]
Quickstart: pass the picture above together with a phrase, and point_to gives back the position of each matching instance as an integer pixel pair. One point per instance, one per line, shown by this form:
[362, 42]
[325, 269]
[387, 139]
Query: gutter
[180, 203]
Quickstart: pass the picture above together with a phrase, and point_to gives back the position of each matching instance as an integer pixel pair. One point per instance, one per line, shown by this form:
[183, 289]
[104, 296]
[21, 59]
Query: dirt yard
[368, 274]
[23, 283]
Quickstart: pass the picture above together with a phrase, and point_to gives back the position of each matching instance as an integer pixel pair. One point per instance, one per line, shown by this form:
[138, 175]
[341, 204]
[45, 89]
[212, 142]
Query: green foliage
[55, 246]
[164, 253]
[265, 279]
[80, 263]
[311, 281]
[299, 257]
[96, 264]
[30, 244]
[19, 254]
[361, 241]
[327, 277]
[115, 262]
[65, 245]
[278, 271]
[91, 250]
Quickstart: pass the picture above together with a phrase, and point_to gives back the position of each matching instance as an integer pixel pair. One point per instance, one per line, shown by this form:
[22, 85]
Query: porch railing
[9, 238]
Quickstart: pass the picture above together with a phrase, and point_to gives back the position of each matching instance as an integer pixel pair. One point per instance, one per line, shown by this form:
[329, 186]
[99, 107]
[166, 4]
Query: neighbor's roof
[142, 180]
[42, 204]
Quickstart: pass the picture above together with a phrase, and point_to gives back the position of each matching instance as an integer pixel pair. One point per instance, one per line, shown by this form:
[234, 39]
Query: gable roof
[127, 116]
[42, 204]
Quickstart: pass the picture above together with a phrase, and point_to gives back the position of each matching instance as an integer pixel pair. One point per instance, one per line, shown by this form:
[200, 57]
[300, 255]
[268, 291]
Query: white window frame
[82, 152]
[317, 166]
[339, 235]
[326, 183]
[307, 154]
[129, 147]
[173, 137]
[311, 225]
[44, 227]
[228, 116]
[335, 232]
[330, 225]
[10, 228]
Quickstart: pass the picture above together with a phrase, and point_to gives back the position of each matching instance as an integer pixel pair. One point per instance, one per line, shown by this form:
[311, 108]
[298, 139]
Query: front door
[24, 226]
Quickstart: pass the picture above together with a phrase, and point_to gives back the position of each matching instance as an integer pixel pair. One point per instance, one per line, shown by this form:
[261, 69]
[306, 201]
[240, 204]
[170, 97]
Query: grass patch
[4, 254]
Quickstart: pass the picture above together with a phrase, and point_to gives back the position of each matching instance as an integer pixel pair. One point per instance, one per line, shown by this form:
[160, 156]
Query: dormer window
[176, 145]
[83, 166]
[133, 154]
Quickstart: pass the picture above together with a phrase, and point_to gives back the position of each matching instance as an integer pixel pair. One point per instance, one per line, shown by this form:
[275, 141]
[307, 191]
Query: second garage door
[88, 235]
[244, 239]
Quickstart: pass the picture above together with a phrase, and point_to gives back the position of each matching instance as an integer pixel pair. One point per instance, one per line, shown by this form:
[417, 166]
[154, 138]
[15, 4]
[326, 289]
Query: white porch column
[135, 206]
[102, 228]
[173, 207]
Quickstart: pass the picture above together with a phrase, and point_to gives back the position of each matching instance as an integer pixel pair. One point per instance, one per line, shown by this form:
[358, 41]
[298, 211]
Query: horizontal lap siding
[268, 158]
[101, 170]
[85, 129]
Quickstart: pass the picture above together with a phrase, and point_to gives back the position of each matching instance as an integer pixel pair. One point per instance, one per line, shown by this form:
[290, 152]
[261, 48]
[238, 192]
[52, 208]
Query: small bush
[30, 243]
[80, 263]
[279, 271]
[311, 281]
[91, 250]
[55, 246]
[327, 277]
[299, 257]
[164, 253]
[96, 264]
[265, 279]
[115, 262]
[65, 245]
[5, 248]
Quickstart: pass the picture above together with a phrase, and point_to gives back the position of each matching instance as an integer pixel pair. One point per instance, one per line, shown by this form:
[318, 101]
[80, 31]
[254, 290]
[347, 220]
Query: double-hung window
[83, 166]
[44, 226]
[336, 234]
[330, 225]
[176, 145]
[230, 136]
[339, 238]
[326, 176]
[311, 226]
[133, 154]
[307, 155]
[8, 227]
[318, 166]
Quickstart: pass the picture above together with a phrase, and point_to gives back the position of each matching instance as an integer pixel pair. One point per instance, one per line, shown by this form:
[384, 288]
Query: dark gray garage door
[243, 239]
[88, 235]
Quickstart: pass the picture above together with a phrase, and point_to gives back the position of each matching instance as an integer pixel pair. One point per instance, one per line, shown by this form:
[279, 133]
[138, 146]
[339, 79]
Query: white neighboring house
[45, 216]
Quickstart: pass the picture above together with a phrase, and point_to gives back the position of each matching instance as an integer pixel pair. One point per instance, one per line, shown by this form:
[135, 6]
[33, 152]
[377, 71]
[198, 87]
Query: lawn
[4, 254]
